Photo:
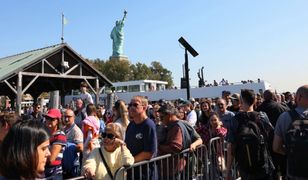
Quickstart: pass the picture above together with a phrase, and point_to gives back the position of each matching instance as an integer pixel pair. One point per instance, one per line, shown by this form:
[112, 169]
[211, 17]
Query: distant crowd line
[93, 142]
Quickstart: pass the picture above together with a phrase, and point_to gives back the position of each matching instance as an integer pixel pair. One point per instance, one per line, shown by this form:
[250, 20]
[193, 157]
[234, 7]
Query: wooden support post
[19, 94]
[97, 91]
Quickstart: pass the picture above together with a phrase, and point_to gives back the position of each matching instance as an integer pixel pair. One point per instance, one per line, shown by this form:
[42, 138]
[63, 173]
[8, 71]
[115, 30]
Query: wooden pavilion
[51, 68]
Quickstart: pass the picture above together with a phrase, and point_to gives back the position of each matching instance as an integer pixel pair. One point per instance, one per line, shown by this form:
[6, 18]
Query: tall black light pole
[194, 53]
[187, 75]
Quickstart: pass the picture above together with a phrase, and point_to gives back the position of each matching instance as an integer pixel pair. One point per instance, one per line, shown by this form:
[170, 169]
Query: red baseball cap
[54, 113]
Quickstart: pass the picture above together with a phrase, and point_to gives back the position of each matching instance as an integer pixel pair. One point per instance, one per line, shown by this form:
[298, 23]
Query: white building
[155, 90]
[140, 86]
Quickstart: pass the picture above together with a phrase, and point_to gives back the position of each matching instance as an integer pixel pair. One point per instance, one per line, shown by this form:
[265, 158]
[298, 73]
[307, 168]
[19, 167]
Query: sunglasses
[50, 119]
[107, 135]
[133, 104]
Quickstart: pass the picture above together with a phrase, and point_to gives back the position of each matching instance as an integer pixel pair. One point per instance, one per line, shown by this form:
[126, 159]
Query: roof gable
[56, 67]
[12, 64]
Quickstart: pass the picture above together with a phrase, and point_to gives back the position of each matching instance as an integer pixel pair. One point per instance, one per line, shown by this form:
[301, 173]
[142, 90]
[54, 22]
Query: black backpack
[250, 144]
[297, 145]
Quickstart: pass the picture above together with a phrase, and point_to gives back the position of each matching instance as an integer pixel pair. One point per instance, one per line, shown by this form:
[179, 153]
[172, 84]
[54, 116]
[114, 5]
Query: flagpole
[62, 36]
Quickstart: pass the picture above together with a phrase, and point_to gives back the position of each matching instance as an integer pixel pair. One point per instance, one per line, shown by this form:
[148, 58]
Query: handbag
[105, 163]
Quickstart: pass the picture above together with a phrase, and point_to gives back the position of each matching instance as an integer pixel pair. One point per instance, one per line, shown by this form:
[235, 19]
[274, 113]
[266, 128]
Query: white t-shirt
[86, 98]
[192, 118]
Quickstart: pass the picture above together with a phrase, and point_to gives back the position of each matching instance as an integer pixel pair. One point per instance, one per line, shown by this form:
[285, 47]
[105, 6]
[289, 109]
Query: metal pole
[62, 61]
[62, 35]
[187, 75]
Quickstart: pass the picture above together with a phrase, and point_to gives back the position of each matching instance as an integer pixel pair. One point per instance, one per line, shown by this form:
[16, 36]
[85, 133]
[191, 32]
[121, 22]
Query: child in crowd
[217, 130]
[90, 129]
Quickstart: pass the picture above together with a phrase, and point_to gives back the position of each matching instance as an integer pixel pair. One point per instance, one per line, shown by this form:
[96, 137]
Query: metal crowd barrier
[74, 178]
[77, 178]
[184, 165]
[202, 164]
[218, 160]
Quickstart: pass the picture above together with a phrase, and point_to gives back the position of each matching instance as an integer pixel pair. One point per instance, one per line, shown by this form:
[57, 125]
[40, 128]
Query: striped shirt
[58, 138]
[55, 167]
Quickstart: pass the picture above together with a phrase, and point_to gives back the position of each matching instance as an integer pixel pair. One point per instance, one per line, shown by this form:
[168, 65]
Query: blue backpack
[70, 161]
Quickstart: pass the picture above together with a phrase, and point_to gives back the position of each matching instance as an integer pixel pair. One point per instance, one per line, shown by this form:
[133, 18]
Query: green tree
[141, 71]
[98, 64]
[161, 73]
[118, 71]
[115, 70]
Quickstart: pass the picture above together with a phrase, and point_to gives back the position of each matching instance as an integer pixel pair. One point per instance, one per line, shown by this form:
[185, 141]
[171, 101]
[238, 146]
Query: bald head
[302, 96]
[69, 112]
[303, 91]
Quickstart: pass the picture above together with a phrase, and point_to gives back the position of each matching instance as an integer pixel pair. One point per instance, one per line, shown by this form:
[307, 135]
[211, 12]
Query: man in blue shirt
[141, 137]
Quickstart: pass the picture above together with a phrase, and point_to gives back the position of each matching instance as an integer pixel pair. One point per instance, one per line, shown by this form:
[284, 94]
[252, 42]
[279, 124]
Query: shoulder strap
[106, 165]
[254, 116]
[245, 117]
[185, 135]
[294, 115]
[260, 124]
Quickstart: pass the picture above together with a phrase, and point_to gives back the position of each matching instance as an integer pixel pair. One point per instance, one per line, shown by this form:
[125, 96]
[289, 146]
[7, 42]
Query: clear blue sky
[236, 39]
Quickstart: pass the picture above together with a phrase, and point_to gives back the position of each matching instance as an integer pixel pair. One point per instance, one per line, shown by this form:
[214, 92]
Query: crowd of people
[93, 142]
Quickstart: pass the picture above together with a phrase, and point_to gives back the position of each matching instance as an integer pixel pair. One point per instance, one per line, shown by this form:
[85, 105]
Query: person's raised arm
[88, 140]
[196, 143]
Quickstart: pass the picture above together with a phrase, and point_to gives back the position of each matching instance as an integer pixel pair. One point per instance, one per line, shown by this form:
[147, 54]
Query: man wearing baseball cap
[179, 137]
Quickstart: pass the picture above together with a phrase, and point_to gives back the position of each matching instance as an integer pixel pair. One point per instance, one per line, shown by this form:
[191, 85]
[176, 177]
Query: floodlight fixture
[194, 53]
[187, 46]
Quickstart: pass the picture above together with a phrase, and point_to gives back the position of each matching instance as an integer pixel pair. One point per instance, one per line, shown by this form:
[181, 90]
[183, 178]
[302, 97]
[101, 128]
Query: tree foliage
[121, 70]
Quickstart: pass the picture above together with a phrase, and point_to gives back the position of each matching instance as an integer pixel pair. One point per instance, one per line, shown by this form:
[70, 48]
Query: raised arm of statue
[117, 36]
[123, 20]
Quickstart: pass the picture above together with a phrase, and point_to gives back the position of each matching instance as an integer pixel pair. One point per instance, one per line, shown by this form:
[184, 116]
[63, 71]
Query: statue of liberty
[117, 36]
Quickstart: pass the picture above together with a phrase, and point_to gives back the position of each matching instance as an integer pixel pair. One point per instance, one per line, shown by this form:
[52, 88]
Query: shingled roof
[42, 70]
[13, 64]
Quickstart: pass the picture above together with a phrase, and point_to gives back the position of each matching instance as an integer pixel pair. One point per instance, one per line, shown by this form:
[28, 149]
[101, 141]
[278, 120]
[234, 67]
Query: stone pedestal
[121, 58]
